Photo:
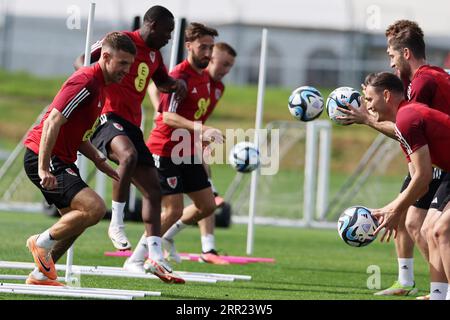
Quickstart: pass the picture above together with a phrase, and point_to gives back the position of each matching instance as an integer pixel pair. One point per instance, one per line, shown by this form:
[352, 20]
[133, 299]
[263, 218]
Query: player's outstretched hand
[104, 167]
[212, 135]
[48, 180]
[354, 115]
[389, 220]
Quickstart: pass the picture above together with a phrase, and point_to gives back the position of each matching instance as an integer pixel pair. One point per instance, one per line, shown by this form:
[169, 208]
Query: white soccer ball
[305, 103]
[338, 98]
[356, 226]
[244, 157]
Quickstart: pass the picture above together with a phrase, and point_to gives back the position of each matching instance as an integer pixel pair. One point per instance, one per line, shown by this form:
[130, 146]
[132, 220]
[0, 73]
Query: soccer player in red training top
[222, 60]
[52, 151]
[429, 85]
[120, 138]
[424, 134]
[174, 139]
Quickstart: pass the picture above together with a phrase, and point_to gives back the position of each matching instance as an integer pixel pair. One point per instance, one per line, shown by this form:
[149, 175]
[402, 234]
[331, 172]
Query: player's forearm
[176, 121]
[50, 132]
[90, 152]
[385, 127]
[166, 85]
[415, 190]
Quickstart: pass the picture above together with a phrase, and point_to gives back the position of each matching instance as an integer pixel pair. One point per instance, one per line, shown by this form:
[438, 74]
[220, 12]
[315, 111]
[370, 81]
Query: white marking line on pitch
[97, 271]
[119, 292]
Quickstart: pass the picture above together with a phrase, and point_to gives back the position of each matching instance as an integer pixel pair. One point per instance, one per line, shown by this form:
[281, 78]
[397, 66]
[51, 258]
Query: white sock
[406, 271]
[141, 251]
[173, 230]
[45, 241]
[208, 243]
[448, 293]
[117, 213]
[438, 290]
[38, 275]
[154, 248]
[214, 190]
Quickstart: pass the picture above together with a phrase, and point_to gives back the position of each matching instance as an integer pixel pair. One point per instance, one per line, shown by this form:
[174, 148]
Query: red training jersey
[125, 98]
[80, 101]
[430, 85]
[417, 126]
[197, 106]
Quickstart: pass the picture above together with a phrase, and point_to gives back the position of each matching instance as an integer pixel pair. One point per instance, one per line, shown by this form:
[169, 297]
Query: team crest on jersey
[118, 126]
[152, 56]
[172, 182]
[71, 172]
[218, 94]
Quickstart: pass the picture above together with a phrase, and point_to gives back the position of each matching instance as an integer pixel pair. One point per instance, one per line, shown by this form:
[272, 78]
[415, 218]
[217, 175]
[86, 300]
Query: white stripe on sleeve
[75, 102]
[403, 141]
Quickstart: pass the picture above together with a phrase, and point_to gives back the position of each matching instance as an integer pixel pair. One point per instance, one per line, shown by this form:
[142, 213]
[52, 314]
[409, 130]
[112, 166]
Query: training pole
[80, 161]
[258, 125]
[175, 44]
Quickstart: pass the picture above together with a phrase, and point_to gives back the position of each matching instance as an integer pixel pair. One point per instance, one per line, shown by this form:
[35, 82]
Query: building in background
[325, 43]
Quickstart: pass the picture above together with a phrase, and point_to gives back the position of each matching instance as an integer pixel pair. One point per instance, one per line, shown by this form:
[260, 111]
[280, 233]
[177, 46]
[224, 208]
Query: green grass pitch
[310, 264]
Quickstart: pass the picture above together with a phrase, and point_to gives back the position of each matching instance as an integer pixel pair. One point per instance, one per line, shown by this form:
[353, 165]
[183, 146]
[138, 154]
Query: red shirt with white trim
[197, 106]
[80, 101]
[430, 85]
[125, 99]
[417, 126]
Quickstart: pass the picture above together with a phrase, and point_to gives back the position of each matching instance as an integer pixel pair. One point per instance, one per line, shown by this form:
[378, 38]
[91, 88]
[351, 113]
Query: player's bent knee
[128, 159]
[413, 228]
[441, 231]
[207, 210]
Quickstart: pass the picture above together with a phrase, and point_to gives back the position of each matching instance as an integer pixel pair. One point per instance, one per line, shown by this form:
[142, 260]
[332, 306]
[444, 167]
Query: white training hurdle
[120, 272]
[97, 293]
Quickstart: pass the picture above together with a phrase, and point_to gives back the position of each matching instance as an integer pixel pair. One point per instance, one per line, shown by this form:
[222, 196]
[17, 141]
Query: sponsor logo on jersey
[118, 126]
[218, 94]
[71, 172]
[172, 182]
[152, 56]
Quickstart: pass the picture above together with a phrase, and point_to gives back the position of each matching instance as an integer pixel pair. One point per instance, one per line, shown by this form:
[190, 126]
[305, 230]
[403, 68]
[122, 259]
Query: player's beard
[199, 63]
[404, 69]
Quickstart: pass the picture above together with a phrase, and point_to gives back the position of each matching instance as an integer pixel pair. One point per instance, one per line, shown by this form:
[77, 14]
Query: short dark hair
[406, 34]
[119, 41]
[196, 30]
[157, 13]
[385, 81]
[223, 46]
[368, 78]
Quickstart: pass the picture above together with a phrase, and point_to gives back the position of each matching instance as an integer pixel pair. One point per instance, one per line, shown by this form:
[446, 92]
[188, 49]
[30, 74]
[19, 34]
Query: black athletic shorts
[442, 195]
[67, 176]
[111, 125]
[181, 178]
[425, 201]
